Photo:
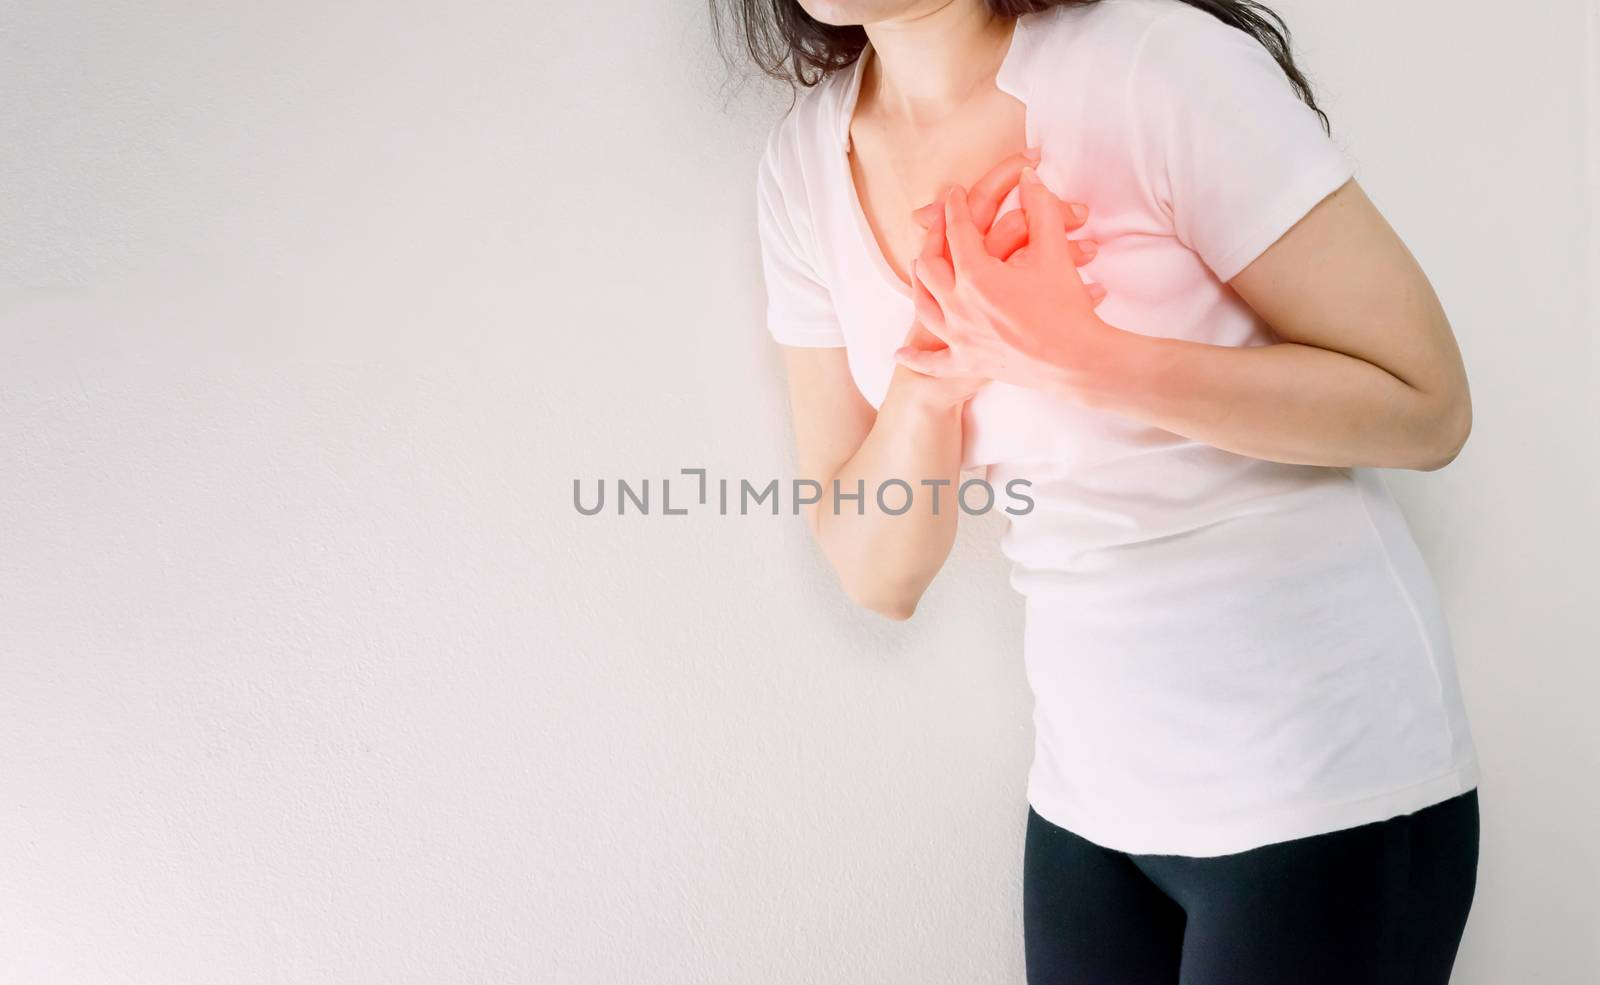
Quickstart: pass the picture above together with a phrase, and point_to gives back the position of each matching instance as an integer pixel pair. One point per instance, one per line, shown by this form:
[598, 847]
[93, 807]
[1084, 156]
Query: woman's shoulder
[1131, 65]
[1111, 38]
[1118, 24]
[812, 124]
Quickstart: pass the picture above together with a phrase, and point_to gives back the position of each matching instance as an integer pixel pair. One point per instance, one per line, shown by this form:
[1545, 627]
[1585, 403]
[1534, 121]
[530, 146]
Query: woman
[1252, 762]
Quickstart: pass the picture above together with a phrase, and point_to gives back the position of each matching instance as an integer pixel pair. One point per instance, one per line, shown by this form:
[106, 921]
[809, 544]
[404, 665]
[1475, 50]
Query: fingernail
[1028, 177]
[1032, 154]
[1089, 247]
[1080, 210]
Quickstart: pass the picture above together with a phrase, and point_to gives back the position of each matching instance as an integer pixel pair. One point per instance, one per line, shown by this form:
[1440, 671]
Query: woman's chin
[850, 13]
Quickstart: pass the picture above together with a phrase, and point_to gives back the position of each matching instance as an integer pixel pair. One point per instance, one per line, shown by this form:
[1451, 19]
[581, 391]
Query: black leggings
[1380, 904]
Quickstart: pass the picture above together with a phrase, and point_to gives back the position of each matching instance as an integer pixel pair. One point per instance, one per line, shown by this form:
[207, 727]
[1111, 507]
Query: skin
[1367, 372]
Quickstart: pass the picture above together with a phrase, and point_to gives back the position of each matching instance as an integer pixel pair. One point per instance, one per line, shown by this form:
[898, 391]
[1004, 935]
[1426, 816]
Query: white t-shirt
[1225, 652]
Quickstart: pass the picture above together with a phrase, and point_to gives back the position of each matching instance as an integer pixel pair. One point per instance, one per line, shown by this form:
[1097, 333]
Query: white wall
[311, 313]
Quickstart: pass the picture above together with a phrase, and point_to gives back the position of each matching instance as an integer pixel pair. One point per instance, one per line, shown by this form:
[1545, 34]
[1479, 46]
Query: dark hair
[789, 44]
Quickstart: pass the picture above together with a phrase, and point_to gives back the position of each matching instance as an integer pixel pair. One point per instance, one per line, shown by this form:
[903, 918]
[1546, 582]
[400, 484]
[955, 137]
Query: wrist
[1106, 367]
[925, 395]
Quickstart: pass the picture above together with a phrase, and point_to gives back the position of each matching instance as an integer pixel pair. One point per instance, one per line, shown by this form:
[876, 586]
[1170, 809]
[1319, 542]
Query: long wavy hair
[787, 43]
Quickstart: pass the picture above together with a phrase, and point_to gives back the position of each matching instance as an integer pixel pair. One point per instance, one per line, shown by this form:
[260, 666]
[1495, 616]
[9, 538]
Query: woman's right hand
[1007, 235]
[941, 393]
[1002, 239]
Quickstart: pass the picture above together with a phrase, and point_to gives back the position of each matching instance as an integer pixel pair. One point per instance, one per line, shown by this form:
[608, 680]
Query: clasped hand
[991, 307]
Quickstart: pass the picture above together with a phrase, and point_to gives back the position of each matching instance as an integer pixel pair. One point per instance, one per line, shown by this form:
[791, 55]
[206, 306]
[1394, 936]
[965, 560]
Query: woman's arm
[1368, 372]
[884, 562]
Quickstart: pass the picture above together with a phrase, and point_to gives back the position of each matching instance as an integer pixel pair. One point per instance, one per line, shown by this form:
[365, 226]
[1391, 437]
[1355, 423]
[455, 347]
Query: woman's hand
[952, 389]
[983, 202]
[1008, 234]
[1028, 320]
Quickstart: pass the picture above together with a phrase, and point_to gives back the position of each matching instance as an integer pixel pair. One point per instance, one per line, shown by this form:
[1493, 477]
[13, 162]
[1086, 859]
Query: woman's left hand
[1028, 320]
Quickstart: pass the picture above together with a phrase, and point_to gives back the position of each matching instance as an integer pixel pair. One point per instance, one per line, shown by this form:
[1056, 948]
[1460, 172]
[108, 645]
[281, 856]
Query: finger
[990, 190]
[1008, 235]
[933, 240]
[929, 315]
[935, 250]
[920, 338]
[1076, 214]
[940, 363]
[966, 243]
[1010, 232]
[1046, 220]
[1096, 293]
[936, 278]
[932, 268]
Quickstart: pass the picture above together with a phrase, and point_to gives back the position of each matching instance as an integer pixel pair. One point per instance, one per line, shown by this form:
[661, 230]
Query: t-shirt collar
[1010, 78]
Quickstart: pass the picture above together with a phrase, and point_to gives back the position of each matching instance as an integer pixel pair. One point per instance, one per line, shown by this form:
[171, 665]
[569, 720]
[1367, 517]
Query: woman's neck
[926, 65]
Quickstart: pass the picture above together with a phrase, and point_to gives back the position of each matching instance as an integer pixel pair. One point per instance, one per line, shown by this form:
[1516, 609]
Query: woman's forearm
[886, 561]
[1285, 402]
[1366, 372]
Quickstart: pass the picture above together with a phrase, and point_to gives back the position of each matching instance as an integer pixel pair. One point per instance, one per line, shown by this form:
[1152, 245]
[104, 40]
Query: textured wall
[309, 672]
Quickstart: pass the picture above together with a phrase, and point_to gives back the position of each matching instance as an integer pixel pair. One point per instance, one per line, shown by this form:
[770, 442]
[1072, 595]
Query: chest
[1156, 287]
[898, 168]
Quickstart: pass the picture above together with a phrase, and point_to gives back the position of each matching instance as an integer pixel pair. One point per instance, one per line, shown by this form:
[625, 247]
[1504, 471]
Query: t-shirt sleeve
[1226, 145]
[800, 310]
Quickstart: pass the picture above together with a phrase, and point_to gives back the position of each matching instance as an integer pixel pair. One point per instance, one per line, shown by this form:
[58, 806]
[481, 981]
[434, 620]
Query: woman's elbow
[1449, 432]
[889, 585]
[884, 600]
[890, 596]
